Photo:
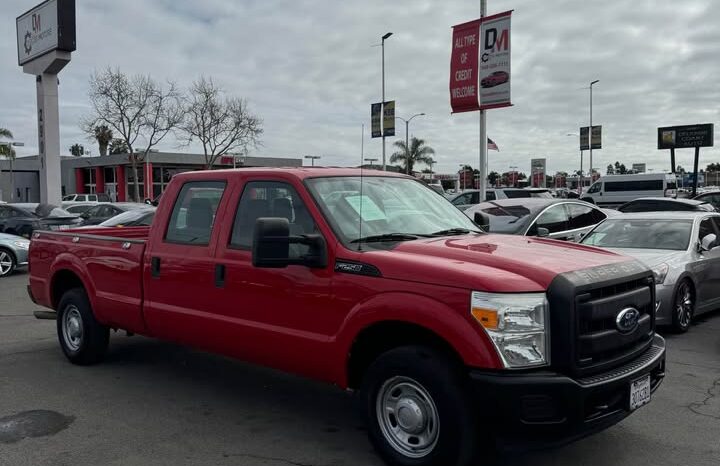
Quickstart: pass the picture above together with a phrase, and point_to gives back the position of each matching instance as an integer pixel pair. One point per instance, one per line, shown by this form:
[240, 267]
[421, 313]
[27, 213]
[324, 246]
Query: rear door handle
[219, 275]
[155, 267]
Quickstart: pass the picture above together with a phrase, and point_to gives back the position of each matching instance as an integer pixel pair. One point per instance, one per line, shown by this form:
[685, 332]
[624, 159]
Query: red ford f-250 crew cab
[454, 337]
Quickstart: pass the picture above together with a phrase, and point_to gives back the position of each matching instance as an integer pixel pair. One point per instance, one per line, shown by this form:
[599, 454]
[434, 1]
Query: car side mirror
[271, 245]
[543, 232]
[85, 215]
[482, 221]
[148, 201]
[708, 242]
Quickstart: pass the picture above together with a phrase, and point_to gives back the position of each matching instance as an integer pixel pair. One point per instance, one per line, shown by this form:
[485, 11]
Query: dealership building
[113, 174]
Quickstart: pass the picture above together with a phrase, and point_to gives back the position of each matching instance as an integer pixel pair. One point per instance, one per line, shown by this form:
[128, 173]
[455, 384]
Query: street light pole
[312, 158]
[382, 46]
[407, 146]
[590, 130]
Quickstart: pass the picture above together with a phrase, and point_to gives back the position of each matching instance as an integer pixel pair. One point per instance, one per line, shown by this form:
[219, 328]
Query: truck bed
[107, 261]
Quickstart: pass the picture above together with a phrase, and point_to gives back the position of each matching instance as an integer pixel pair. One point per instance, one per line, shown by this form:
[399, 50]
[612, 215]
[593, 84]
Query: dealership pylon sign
[480, 64]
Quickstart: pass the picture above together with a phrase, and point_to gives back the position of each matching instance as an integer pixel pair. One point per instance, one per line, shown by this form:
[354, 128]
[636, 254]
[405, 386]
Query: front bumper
[664, 297]
[540, 409]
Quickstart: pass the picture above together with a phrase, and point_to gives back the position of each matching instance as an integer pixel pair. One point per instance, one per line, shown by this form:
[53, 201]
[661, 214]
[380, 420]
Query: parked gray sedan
[680, 248]
[13, 253]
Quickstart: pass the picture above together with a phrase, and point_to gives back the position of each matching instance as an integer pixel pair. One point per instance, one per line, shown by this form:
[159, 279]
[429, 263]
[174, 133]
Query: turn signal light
[488, 318]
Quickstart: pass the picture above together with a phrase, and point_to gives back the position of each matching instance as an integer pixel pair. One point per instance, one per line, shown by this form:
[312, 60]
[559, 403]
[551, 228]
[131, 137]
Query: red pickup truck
[457, 340]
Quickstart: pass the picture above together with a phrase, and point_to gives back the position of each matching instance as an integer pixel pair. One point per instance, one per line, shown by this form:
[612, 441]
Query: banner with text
[494, 72]
[389, 118]
[464, 67]
[375, 120]
[585, 137]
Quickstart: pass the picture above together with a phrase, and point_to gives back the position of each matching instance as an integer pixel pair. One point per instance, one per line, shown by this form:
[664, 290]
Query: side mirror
[482, 221]
[85, 215]
[543, 232]
[271, 245]
[148, 201]
[708, 242]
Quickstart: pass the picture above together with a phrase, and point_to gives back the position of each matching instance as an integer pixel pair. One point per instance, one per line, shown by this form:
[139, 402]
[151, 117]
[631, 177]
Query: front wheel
[7, 263]
[683, 306]
[82, 338]
[419, 412]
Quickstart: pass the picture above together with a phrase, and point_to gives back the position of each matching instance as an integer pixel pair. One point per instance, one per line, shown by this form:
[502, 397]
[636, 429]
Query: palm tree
[8, 152]
[418, 152]
[104, 135]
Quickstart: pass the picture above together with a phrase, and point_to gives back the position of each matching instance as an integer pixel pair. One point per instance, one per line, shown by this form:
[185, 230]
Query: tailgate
[110, 268]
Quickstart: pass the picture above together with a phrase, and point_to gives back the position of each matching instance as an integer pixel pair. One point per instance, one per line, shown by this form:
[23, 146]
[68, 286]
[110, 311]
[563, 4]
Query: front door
[708, 268]
[274, 314]
[179, 266]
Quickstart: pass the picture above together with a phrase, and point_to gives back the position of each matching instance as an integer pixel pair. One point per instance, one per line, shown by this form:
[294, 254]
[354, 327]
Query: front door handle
[155, 267]
[219, 275]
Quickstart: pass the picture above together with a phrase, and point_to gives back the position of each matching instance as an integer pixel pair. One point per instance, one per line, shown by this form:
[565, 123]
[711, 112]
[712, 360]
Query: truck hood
[502, 263]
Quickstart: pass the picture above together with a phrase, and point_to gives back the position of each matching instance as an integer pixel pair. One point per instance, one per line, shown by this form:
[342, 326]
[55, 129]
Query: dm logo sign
[627, 320]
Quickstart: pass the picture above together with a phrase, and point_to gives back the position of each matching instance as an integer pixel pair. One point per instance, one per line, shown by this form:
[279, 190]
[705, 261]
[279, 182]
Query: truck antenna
[360, 209]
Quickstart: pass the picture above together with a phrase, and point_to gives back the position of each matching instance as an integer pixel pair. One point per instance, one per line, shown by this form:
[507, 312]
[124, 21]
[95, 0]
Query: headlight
[22, 244]
[516, 326]
[660, 272]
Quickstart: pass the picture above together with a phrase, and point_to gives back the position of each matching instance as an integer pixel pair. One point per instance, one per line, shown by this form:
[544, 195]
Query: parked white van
[615, 190]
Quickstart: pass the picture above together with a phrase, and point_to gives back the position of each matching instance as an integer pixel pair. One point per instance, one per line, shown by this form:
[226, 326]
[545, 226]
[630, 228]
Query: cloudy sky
[308, 68]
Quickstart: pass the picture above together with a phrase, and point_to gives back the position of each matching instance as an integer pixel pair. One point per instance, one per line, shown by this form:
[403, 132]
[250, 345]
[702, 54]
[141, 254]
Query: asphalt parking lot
[154, 403]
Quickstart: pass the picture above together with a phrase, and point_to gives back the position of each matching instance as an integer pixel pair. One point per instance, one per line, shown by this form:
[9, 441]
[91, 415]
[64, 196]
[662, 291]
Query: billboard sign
[596, 137]
[464, 67]
[389, 118]
[494, 76]
[375, 120]
[639, 167]
[48, 26]
[538, 170]
[680, 137]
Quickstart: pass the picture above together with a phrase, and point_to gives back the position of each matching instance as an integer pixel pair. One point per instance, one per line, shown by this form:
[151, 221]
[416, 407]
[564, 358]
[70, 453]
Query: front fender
[459, 330]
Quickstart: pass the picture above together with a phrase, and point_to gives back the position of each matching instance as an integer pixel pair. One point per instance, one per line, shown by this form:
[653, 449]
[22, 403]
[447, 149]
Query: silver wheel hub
[408, 417]
[5, 263]
[72, 327]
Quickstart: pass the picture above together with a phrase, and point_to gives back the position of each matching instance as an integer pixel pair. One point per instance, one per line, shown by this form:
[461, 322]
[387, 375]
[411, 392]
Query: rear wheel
[683, 306]
[82, 338]
[419, 412]
[7, 262]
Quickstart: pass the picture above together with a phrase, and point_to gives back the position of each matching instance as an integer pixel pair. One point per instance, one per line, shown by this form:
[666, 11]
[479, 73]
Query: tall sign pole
[45, 40]
[482, 149]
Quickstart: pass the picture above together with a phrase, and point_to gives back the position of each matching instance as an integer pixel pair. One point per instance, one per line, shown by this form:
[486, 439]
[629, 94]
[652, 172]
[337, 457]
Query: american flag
[491, 145]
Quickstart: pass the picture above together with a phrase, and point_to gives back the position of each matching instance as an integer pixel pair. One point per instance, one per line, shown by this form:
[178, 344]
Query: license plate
[63, 227]
[639, 392]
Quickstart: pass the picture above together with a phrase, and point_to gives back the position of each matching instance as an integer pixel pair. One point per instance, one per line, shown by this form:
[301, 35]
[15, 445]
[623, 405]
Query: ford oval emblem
[627, 320]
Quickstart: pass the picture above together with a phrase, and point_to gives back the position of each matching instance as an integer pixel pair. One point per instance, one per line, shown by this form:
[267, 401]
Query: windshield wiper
[387, 237]
[454, 231]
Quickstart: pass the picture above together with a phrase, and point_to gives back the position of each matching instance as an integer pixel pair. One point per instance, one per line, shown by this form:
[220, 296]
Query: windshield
[137, 217]
[387, 205]
[641, 234]
[510, 219]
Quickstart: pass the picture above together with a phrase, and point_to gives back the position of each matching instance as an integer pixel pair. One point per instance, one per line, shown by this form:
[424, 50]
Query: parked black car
[105, 210]
[23, 219]
[658, 204]
[554, 218]
[712, 197]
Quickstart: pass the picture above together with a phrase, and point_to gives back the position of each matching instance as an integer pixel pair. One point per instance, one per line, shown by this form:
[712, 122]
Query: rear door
[179, 265]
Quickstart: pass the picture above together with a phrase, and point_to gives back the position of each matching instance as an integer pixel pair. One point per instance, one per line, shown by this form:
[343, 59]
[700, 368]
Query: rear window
[193, 215]
[517, 193]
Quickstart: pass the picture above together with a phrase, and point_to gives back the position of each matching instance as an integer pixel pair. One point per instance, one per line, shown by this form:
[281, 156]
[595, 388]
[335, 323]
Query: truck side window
[192, 217]
[271, 199]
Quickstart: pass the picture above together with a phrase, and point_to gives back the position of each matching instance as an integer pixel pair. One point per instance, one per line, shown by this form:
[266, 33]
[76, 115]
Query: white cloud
[308, 68]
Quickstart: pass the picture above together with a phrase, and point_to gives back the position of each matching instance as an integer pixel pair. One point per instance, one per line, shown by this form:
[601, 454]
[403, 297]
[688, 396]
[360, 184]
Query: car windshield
[387, 206]
[641, 234]
[509, 219]
[136, 217]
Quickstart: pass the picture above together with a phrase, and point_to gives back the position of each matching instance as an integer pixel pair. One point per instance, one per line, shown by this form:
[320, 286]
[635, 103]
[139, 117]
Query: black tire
[683, 306]
[82, 338]
[7, 262]
[392, 375]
